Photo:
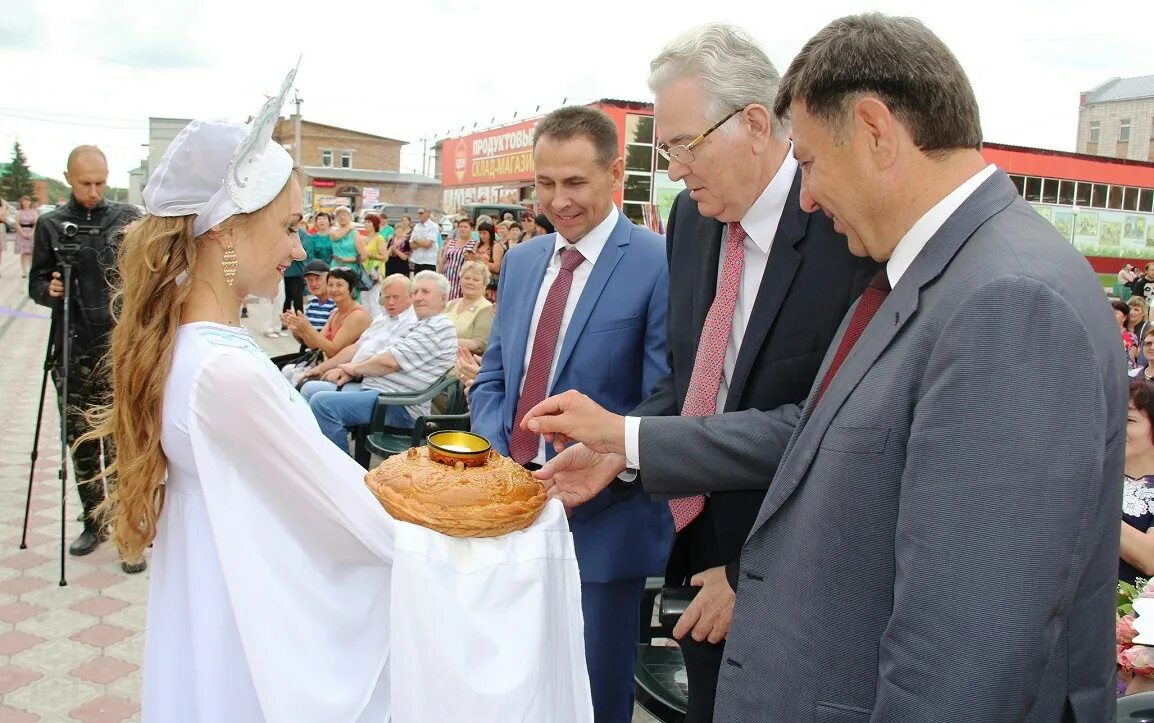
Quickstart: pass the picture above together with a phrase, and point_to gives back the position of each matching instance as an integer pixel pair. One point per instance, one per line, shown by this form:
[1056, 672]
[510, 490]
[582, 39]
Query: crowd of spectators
[366, 307]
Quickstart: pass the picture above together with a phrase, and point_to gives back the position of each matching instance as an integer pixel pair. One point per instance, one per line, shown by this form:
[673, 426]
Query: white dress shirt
[425, 231]
[923, 230]
[760, 223]
[590, 247]
[383, 332]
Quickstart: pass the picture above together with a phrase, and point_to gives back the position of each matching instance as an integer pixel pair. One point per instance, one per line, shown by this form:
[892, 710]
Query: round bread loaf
[494, 499]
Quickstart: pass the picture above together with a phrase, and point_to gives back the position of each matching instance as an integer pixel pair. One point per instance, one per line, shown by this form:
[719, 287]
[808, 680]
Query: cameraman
[84, 231]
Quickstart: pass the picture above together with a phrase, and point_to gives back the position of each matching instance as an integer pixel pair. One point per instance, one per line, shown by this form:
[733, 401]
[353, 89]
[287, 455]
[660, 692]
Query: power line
[68, 120]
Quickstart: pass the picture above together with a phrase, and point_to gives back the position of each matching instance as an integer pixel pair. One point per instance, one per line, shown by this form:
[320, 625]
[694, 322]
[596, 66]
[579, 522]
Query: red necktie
[871, 300]
[709, 365]
[523, 445]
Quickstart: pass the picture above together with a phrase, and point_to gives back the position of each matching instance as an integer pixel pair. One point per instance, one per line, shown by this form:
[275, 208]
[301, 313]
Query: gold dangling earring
[228, 263]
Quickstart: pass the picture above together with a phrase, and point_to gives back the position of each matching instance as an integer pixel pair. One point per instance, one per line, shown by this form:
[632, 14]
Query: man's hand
[577, 474]
[574, 417]
[711, 612]
[353, 371]
[375, 366]
[337, 376]
[56, 286]
[313, 373]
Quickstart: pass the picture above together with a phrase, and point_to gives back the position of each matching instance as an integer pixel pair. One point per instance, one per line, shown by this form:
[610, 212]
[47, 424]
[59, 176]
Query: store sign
[328, 203]
[324, 184]
[453, 199]
[503, 154]
[371, 195]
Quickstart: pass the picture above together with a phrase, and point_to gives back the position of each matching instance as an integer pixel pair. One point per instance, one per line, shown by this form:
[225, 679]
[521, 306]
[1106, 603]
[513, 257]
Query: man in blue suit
[584, 308]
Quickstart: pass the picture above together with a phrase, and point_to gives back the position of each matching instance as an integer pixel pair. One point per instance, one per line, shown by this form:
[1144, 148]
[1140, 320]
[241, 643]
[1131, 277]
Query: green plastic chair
[384, 441]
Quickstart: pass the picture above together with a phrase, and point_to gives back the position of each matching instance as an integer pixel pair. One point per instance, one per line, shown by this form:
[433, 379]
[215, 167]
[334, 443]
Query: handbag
[364, 278]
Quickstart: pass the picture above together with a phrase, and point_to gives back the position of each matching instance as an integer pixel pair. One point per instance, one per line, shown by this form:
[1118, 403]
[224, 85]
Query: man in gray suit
[940, 539]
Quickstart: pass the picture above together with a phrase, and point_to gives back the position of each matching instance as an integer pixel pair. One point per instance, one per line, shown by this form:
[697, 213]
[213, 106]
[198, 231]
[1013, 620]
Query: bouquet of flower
[1135, 660]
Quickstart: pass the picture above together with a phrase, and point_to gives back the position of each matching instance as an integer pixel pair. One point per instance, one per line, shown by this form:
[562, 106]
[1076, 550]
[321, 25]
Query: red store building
[496, 165]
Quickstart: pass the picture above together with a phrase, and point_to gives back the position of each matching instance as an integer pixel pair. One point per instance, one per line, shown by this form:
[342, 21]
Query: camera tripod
[65, 371]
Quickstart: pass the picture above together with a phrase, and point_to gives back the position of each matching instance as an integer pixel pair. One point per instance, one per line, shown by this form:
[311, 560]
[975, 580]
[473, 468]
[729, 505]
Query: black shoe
[88, 541]
[133, 568]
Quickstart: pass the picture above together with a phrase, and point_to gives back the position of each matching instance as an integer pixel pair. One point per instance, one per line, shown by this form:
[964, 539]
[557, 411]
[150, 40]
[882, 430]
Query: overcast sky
[94, 71]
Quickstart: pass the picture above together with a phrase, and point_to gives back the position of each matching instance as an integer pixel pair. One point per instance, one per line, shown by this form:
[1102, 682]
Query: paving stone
[105, 709]
[8, 714]
[14, 642]
[103, 670]
[13, 677]
[55, 657]
[18, 612]
[54, 697]
[102, 635]
[99, 606]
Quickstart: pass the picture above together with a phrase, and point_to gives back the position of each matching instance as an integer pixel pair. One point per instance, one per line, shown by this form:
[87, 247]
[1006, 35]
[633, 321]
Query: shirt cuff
[633, 442]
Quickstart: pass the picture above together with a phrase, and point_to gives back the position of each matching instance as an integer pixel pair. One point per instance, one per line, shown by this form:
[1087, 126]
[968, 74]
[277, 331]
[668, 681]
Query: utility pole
[424, 156]
[297, 131]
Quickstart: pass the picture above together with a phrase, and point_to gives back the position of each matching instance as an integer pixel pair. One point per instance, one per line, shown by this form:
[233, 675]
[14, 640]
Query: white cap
[217, 169]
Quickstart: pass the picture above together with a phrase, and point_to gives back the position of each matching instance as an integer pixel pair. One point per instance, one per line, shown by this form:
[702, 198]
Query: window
[639, 158]
[1124, 130]
[639, 129]
[346, 159]
[635, 212]
[1130, 199]
[1095, 131]
[637, 187]
[1146, 201]
[1066, 193]
[327, 159]
[1101, 191]
[1049, 190]
[1034, 189]
[1082, 195]
[1115, 199]
[662, 163]
[1019, 183]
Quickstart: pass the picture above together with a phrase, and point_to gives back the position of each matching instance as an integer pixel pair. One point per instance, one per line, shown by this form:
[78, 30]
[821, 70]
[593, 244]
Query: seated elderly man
[396, 321]
[410, 364]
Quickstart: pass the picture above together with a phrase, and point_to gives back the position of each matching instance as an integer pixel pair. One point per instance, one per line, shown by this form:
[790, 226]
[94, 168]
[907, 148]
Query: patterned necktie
[709, 365]
[523, 445]
[871, 300]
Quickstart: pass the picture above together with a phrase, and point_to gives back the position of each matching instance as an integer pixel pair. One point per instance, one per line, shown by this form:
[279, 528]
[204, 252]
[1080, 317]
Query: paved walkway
[67, 653]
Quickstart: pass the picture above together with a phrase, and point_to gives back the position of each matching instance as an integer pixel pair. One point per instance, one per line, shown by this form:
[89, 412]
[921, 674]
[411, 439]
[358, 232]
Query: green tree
[17, 178]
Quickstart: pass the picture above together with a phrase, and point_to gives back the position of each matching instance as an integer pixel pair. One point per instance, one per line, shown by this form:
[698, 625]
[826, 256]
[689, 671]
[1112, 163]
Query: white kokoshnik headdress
[217, 169]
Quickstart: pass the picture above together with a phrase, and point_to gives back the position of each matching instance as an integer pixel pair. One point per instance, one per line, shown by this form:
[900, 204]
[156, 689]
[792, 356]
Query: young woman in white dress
[273, 566]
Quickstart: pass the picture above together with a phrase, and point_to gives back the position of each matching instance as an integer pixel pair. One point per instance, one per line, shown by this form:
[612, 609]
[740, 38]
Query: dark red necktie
[709, 364]
[523, 445]
[871, 300]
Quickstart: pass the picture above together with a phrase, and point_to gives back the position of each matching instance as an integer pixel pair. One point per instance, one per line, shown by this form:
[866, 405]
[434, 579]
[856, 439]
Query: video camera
[68, 244]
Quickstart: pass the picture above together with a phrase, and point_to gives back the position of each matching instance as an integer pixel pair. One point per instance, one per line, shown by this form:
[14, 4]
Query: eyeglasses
[683, 153]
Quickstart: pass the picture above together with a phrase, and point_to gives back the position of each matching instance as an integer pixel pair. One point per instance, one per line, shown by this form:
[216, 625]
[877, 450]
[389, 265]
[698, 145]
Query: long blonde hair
[153, 254]
[158, 257]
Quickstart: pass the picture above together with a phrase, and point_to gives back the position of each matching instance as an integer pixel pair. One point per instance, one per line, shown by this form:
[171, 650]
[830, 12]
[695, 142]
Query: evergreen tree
[17, 178]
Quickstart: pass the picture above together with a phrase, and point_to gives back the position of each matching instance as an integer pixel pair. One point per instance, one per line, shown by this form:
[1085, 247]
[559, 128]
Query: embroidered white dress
[281, 591]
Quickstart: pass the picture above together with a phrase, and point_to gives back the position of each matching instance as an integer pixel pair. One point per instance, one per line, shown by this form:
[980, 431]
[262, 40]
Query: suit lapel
[707, 247]
[784, 260]
[607, 261]
[993, 196]
[522, 306]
